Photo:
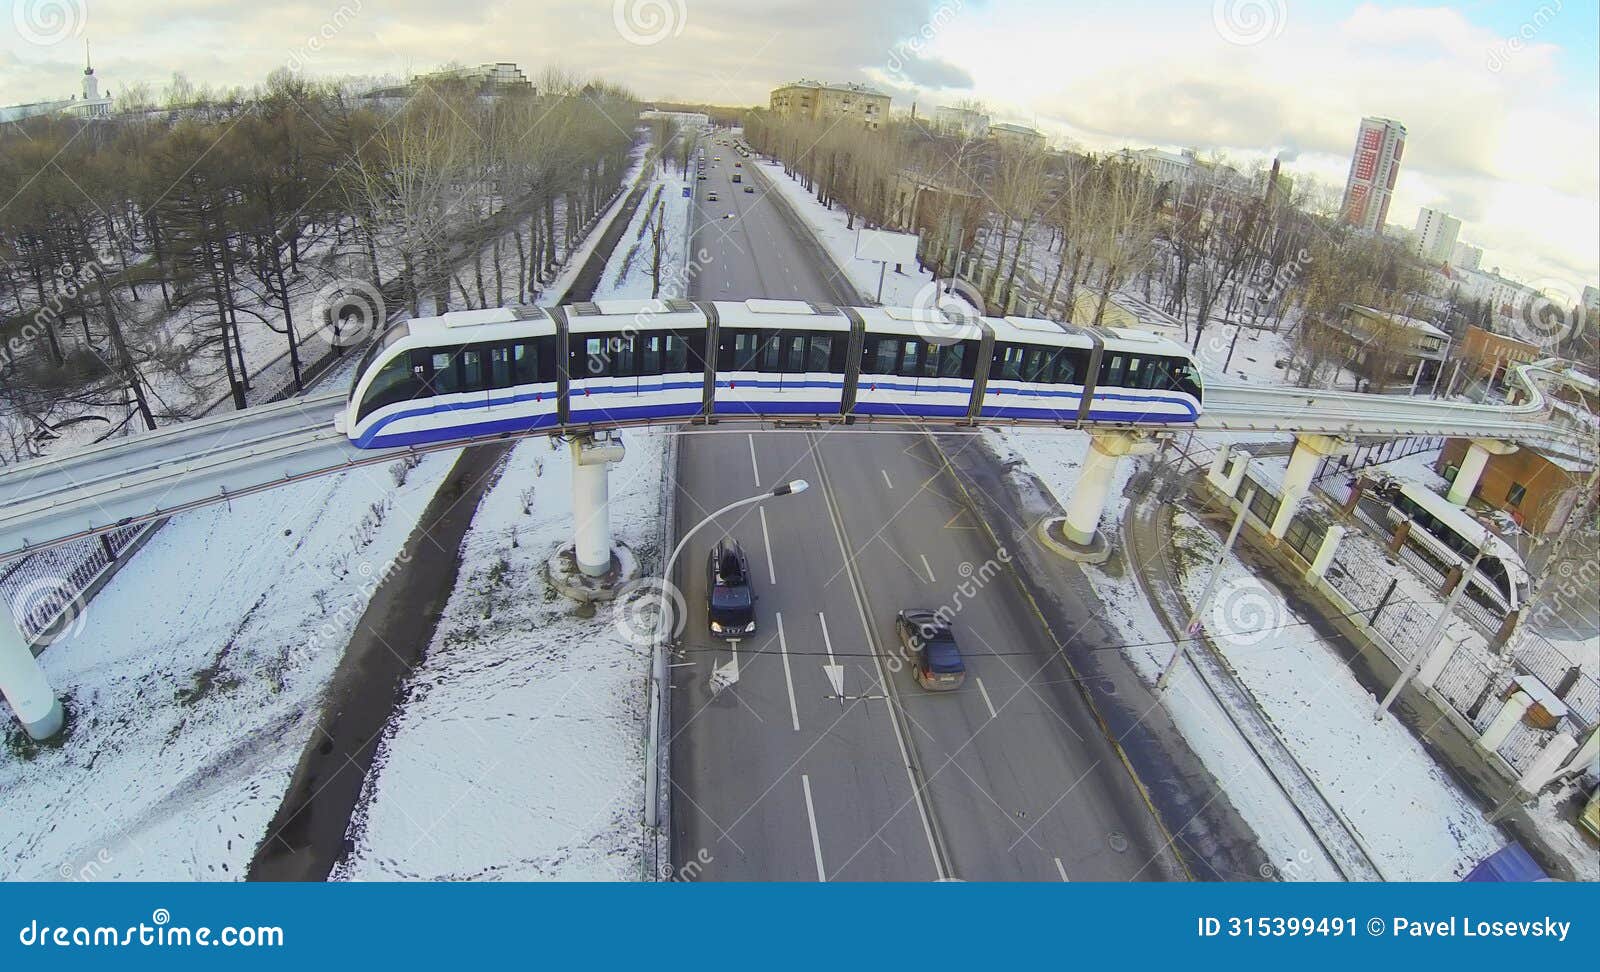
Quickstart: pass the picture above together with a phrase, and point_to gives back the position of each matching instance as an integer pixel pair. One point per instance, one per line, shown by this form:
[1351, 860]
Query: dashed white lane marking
[987, 704]
[927, 568]
[788, 677]
[816, 845]
[753, 467]
[1061, 870]
[766, 541]
[886, 481]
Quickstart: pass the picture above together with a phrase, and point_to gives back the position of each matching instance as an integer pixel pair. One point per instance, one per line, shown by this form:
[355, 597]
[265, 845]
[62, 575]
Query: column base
[563, 573]
[43, 728]
[1052, 533]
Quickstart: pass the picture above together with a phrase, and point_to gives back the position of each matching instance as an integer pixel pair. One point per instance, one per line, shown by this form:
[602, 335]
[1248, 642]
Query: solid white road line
[1061, 870]
[753, 467]
[926, 567]
[886, 481]
[788, 677]
[766, 541]
[827, 642]
[816, 845]
[985, 693]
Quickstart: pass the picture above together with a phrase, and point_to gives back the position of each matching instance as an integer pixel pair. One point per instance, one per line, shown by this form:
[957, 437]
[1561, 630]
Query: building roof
[1415, 323]
[849, 86]
[1015, 129]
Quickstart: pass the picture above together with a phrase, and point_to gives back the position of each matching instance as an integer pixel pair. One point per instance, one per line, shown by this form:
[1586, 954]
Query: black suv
[731, 602]
[930, 646]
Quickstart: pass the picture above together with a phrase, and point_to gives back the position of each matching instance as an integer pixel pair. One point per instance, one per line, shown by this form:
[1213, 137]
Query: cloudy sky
[1501, 99]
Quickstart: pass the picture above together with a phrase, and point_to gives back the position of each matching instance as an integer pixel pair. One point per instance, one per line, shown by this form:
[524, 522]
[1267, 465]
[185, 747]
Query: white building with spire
[91, 105]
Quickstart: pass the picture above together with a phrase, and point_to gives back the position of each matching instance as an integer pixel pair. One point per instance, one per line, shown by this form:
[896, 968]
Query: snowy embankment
[518, 750]
[195, 677]
[1364, 768]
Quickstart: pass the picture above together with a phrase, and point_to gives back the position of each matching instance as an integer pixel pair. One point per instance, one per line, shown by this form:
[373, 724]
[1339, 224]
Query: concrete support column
[1094, 481]
[1325, 553]
[1510, 712]
[1478, 453]
[1309, 450]
[1543, 767]
[24, 684]
[1219, 462]
[591, 502]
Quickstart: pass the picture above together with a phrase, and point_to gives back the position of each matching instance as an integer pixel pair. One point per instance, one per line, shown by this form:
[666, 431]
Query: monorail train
[522, 369]
[1453, 536]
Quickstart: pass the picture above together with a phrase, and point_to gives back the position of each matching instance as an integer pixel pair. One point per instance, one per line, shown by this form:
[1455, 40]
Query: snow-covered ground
[196, 680]
[195, 676]
[518, 751]
[1366, 769]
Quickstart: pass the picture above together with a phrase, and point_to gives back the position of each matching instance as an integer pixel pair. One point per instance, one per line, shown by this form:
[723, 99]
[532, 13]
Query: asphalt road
[778, 777]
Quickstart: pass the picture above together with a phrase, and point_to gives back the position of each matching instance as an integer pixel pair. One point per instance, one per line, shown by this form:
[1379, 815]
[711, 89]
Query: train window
[912, 356]
[881, 356]
[524, 363]
[446, 379]
[1112, 369]
[794, 354]
[1008, 361]
[1185, 377]
[932, 357]
[677, 354]
[953, 361]
[1069, 367]
[394, 383]
[474, 377]
[744, 355]
[1158, 374]
[624, 359]
[1039, 365]
[500, 367]
[1492, 568]
[821, 353]
[1133, 377]
[649, 346]
[595, 358]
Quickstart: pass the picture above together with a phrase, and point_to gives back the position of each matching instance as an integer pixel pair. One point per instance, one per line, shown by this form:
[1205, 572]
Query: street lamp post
[658, 661]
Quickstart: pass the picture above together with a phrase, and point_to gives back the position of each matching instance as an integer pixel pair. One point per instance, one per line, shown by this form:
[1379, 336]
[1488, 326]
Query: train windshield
[1186, 378]
[394, 333]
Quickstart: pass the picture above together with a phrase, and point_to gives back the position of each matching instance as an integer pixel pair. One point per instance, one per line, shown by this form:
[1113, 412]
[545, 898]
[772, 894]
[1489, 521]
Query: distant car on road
[730, 605]
[701, 177]
[711, 196]
[749, 188]
[931, 647]
[727, 215]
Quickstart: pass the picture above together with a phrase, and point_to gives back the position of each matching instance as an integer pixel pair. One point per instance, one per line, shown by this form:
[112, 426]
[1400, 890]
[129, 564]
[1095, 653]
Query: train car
[509, 371]
[459, 375]
[779, 357]
[1452, 536]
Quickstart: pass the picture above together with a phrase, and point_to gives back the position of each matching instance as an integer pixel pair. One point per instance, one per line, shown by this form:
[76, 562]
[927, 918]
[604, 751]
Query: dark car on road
[731, 602]
[930, 646]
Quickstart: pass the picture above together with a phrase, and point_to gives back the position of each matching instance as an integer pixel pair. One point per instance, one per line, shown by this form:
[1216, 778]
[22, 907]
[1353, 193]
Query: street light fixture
[658, 660]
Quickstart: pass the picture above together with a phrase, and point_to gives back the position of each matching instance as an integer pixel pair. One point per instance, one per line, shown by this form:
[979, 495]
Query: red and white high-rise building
[1373, 170]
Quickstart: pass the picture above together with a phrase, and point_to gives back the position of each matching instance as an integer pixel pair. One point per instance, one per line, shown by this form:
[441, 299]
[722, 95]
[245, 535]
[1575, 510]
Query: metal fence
[1522, 744]
[1376, 453]
[42, 588]
[1536, 656]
